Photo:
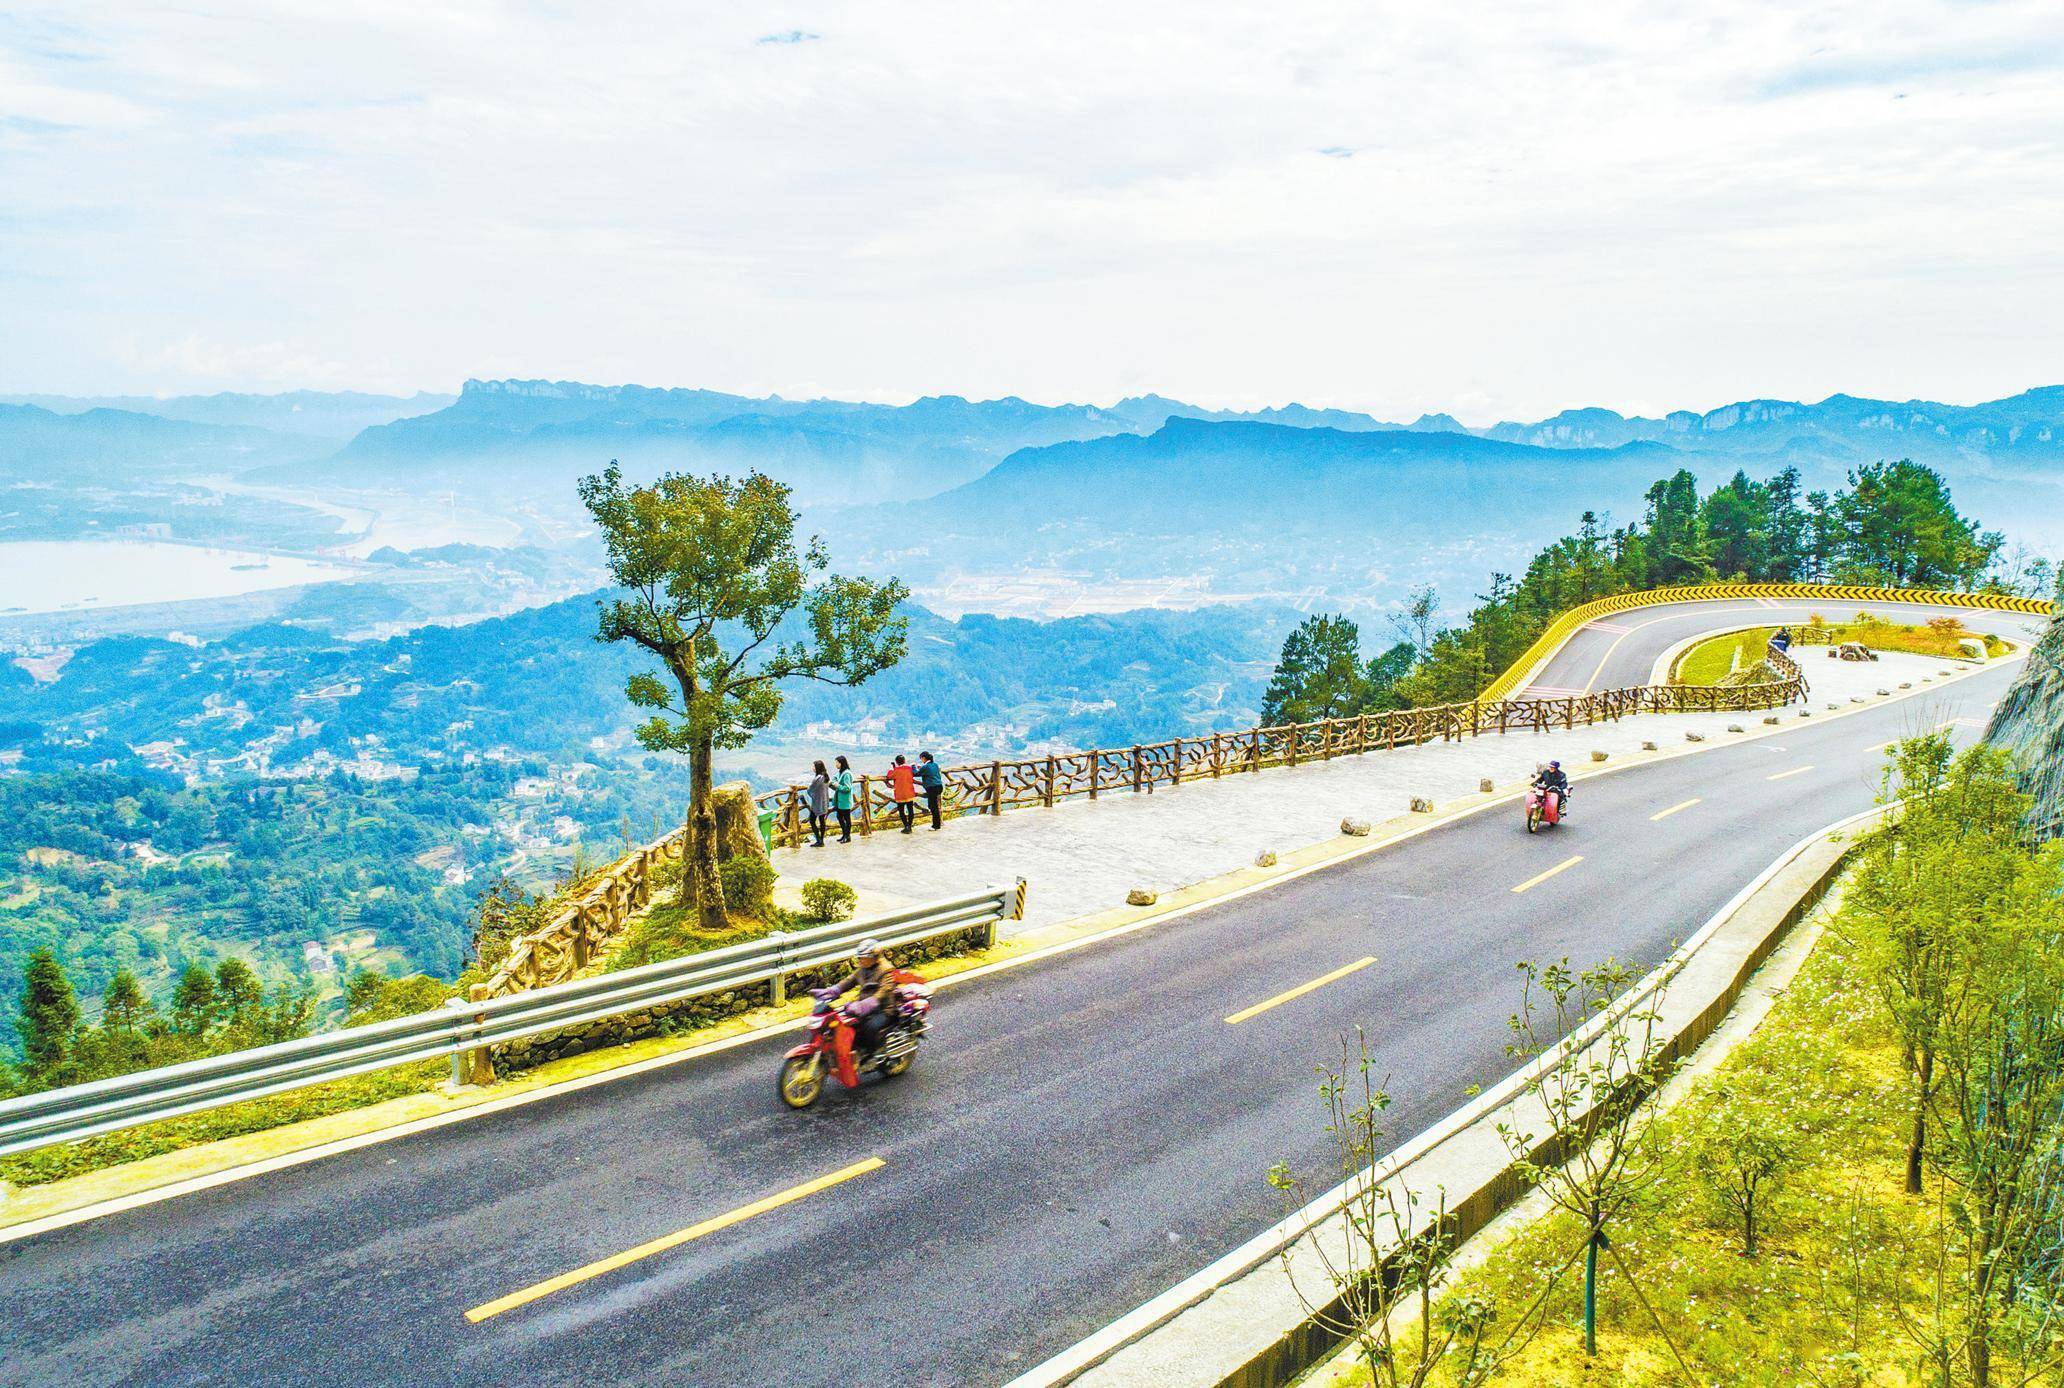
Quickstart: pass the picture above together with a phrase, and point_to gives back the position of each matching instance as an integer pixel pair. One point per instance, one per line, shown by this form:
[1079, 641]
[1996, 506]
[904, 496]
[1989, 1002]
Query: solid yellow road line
[1795, 771]
[1685, 805]
[1300, 990]
[674, 1240]
[1564, 866]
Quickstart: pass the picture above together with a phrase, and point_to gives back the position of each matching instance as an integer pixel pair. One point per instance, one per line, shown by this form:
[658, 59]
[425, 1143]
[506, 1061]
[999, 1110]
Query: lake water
[62, 575]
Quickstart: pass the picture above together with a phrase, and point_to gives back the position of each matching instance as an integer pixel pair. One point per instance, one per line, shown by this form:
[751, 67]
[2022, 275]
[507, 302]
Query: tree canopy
[712, 572]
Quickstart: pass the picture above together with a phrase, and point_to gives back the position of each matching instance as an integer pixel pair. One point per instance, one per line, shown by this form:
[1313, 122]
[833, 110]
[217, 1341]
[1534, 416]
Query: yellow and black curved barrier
[1570, 622]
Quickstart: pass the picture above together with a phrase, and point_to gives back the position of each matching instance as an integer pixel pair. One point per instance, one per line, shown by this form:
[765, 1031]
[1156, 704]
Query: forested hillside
[1895, 525]
[164, 803]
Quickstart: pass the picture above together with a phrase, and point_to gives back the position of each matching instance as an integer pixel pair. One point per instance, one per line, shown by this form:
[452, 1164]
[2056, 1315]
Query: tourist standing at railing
[902, 781]
[842, 800]
[817, 800]
[934, 782]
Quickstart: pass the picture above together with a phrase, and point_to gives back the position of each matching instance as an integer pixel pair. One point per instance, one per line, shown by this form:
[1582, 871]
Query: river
[69, 575]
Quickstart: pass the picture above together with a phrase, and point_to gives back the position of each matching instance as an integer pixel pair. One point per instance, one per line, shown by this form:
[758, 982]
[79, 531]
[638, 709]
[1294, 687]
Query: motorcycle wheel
[1533, 820]
[802, 1080]
[895, 1067]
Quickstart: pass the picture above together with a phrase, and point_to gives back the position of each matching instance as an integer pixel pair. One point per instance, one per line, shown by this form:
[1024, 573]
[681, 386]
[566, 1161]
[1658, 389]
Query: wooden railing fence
[992, 787]
[581, 930]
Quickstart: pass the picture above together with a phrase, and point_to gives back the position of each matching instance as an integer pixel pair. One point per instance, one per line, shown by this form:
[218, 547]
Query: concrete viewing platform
[1084, 856]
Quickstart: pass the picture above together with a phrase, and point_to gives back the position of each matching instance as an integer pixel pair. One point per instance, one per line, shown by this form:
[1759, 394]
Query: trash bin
[767, 829]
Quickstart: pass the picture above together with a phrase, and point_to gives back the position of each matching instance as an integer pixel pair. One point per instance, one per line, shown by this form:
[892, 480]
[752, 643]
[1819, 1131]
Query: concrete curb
[1242, 1323]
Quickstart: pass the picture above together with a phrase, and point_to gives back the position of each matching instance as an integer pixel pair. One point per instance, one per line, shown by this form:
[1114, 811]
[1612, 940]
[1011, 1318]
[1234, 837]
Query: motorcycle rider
[1553, 777]
[874, 978]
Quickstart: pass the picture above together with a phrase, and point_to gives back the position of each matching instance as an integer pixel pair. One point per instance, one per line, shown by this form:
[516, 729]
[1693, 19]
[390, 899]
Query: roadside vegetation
[1894, 526]
[1710, 662]
[1867, 1191]
[228, 1009]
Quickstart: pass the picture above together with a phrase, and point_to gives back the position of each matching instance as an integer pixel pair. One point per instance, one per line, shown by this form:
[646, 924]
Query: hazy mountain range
[337, 415]
[844, 451]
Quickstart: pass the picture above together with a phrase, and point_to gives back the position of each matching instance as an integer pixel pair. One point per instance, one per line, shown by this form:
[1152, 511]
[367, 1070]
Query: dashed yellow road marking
[1300, 990]
[1537, 879]
[673, 1240]
[1682, 805]
[1781, 775]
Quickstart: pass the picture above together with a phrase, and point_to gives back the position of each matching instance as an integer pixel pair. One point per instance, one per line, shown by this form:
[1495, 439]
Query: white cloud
[1543, 208]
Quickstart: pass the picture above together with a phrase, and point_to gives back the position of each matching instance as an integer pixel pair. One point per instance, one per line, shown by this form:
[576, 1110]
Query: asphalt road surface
[1621, 649]
[1076, 1136]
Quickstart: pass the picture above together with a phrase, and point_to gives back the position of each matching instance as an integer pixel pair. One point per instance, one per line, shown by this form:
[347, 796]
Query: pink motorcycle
[1543, 806]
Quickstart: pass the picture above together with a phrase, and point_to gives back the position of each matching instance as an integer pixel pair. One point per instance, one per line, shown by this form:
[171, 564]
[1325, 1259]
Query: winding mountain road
[1621, 650]
[1078, 1134]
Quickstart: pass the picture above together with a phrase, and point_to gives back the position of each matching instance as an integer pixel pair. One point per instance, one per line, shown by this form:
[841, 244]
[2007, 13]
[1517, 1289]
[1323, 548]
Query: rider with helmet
[1553, 777]
[874, 979]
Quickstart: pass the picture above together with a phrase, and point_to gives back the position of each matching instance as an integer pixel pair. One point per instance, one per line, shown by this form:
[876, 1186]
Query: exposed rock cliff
[2029, 722]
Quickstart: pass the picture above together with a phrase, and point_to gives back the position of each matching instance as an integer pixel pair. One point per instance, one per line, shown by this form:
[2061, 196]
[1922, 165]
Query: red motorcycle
[1543, 806]
[834, 1046]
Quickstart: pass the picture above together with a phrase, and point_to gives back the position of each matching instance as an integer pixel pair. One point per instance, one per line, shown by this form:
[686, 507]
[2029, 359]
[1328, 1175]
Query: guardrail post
[1096, 771]
[470, 1065]
[995, 788]
[1175, 766]
[1049, 788]
[1217, 756]
[1135, 768]
[777, 986]
[866, 810]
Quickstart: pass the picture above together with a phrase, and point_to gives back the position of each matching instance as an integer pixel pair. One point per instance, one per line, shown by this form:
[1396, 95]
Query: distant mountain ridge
[33, 440]
[337, 415]
[951, 439]
[2028, 425]
[1243, 471]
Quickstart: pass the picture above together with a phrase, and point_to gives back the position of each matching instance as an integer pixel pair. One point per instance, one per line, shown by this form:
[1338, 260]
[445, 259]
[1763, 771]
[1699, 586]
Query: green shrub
[826, 899]
[748, 885]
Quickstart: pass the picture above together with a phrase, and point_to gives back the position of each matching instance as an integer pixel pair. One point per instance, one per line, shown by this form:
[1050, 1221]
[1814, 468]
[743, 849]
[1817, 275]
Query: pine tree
[48, 1021]
[238, 994]
[123, 1006]
[1320, 673]
[193, 1002]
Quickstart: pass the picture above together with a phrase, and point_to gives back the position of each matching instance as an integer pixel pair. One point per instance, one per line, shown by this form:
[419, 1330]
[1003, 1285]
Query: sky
[1497, 210]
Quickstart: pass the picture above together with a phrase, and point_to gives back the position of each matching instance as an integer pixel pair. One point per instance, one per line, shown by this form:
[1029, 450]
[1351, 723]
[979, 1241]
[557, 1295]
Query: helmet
[868, 946]
[1555, 766]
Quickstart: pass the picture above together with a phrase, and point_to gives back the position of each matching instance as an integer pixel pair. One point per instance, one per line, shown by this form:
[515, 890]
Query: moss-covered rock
[2029, 723]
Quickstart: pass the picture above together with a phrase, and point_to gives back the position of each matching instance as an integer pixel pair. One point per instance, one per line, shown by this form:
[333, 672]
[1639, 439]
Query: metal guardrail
[461, 1027]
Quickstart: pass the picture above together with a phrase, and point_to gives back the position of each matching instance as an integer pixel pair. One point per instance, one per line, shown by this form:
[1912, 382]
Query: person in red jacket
[902, 779]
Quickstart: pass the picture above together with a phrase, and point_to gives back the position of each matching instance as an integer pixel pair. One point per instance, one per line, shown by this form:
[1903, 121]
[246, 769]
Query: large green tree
[1737, 525]
[1899, 528]
[1319, 675]
[49, 1020]
[711, 569]
[1676, 532]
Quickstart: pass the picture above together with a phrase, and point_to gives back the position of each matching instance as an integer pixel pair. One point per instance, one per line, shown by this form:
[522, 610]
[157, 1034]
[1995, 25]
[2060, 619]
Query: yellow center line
[1795, 771]
[1564, 866]
[1665, 814]
[1300, 990]
[673, 1240]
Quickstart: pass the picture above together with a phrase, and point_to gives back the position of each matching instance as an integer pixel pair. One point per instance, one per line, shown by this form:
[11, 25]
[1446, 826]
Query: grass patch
[253, 1115]
[672, 930]
[1942, 638]
[1709, 662]
[1846, 1259]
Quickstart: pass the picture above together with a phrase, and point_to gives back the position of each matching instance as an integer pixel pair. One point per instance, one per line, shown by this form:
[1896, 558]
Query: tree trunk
[699, 866]
[1918, 1142]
